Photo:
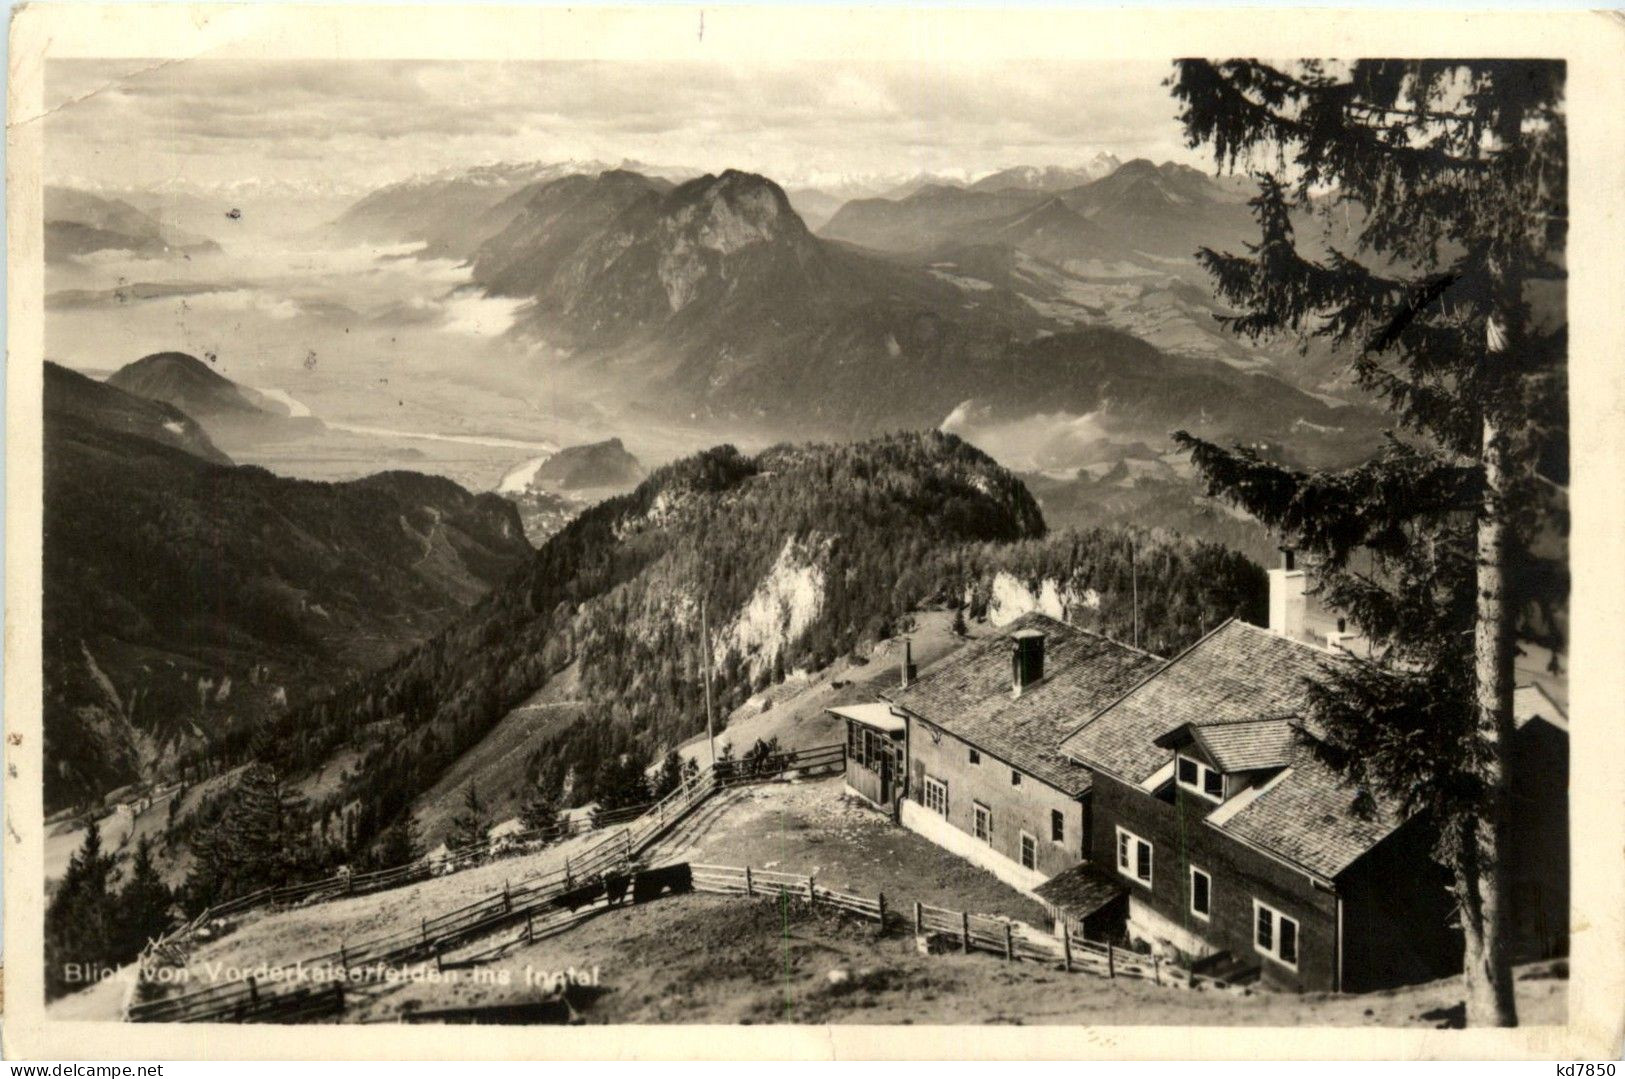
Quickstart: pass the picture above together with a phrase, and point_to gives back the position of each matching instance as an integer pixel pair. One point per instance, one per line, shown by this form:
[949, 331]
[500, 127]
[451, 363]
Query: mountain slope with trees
[185, 596]
[797, 555]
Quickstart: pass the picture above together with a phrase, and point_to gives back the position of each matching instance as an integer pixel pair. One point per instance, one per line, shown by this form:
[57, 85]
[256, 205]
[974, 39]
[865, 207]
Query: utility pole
[705, 648]
[1134, 577]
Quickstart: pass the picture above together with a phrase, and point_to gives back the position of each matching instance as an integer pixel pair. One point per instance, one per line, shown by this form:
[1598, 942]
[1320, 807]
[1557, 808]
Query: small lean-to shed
[874, 751]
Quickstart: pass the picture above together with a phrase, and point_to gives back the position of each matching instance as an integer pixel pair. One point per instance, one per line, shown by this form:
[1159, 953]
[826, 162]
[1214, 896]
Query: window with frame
[1201, 893]
[936, 796]
[1057, 826]
[1275, 934]
[1197, 777]
[1029, 850]
[1133, 857]
[975, 757]
[982, 822]
[1015, 778]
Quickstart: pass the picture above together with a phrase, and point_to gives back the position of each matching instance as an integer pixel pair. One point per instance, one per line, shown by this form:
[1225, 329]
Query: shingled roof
[1081, 890]
[1239, 673]
[1307, 815]
[1244, 746]
[969, 695]
[1239, 693]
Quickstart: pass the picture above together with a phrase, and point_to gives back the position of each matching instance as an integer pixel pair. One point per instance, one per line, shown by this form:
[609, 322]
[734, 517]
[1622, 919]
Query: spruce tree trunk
[1487, 967]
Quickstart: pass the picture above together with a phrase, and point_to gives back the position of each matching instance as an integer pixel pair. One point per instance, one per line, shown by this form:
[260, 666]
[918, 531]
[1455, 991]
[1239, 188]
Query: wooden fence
[1018, 940]
[965, 931]
[247, 1001]
[532, 902]
[743, 880]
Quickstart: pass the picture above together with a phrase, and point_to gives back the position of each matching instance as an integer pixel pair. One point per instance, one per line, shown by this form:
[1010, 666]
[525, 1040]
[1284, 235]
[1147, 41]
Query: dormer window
[1198, 778]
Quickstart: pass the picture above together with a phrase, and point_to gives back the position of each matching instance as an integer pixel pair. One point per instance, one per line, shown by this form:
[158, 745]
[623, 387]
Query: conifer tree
[143, 904]
[539, 812]
[470, 827]
[670, 776]
[1447, 181]
[399, 844]
[260, 839]
[80, 925]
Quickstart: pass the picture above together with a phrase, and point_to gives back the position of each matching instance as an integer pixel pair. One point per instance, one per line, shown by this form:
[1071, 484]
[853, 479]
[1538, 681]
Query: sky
[349, 126]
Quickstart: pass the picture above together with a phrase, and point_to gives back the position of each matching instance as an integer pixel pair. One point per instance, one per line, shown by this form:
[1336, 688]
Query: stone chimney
[1026, 660]
[909, 671]
[1289, 597]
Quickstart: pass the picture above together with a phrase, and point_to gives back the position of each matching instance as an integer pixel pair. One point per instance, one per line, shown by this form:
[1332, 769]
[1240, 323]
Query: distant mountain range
[1163, 211]
[79, 223]
[711, 299]
[1049, 177]
[187, 598]
[453, 212]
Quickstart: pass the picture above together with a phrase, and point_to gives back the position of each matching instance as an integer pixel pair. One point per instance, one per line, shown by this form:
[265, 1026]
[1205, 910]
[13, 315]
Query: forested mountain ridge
[186, 598]
[798, 554]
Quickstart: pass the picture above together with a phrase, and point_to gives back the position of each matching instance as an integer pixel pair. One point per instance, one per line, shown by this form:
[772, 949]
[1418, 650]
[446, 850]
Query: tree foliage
[1440, 192]
[90, 925]
[261, 835]
[470, 827]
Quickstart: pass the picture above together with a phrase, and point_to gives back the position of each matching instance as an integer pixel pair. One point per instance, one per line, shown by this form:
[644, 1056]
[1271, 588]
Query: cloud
[366, 123]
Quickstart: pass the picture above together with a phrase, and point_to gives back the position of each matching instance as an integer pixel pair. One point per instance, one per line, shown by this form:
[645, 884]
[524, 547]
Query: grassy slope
[715, 959]
[705, 958]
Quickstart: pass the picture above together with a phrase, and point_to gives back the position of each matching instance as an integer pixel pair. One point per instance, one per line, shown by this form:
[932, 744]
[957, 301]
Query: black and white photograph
[776, 540]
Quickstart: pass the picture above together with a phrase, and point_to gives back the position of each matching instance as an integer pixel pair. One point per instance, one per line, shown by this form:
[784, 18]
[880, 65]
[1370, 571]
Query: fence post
[1066, 946]
[568, 880]
[750, 889]
[344, 959]
[530, 927]
[1009, 942]
[253, 993]
[880, 901]
[964, 930]
[809, 889]
[919, 919]
[1111, 960]
[1156, 967]
[425, 930]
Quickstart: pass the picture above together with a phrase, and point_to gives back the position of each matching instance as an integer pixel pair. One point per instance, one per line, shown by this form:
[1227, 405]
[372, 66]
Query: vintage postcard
[749, 532]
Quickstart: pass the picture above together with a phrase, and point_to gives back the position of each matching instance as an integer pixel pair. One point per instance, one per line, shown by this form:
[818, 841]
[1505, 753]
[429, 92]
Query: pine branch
[1334, 513]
